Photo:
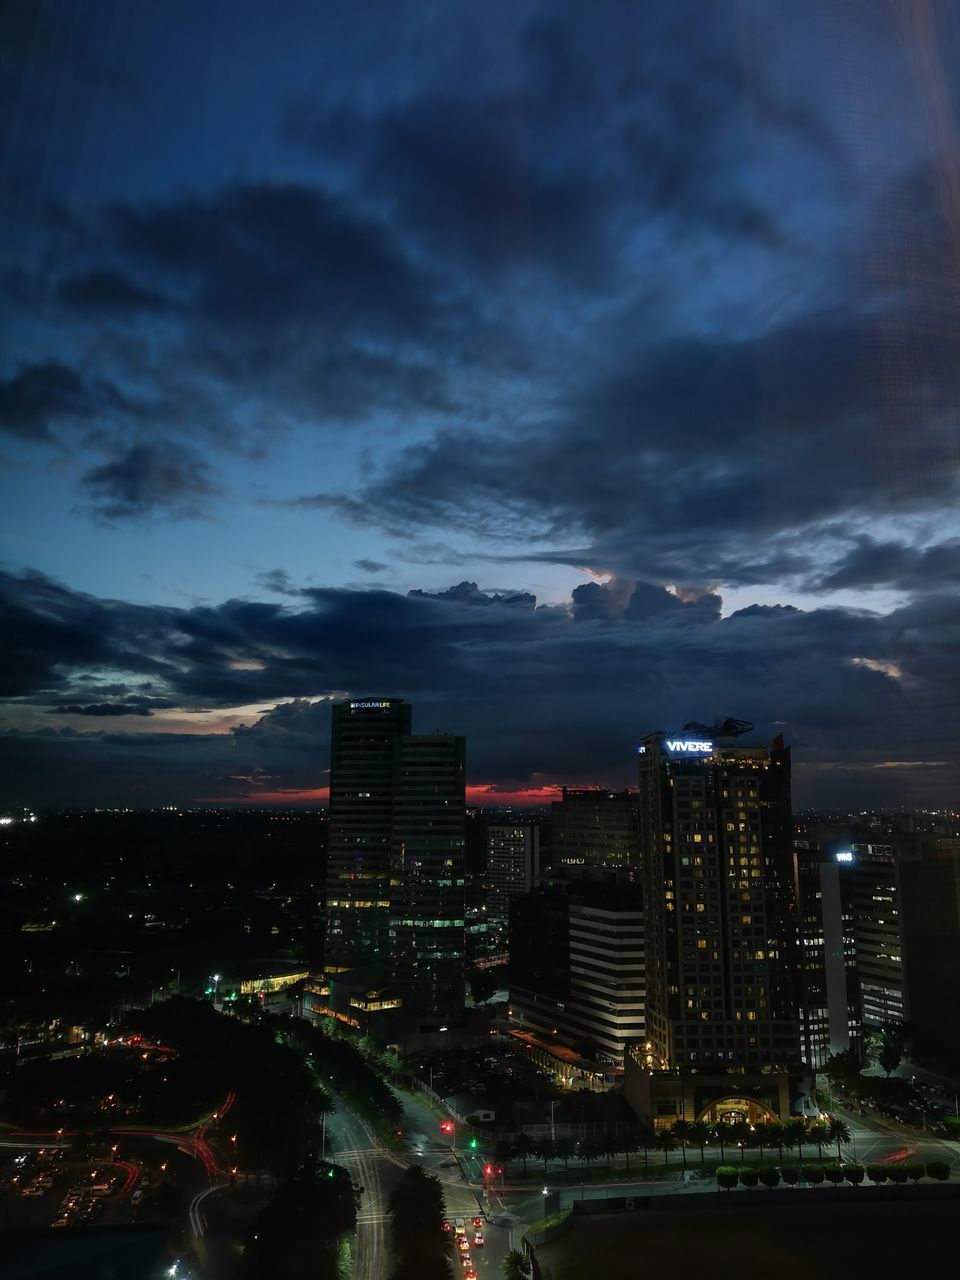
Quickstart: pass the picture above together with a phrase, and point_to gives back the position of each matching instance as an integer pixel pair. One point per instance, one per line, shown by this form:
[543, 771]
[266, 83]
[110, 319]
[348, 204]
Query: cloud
[370, 566]
[41, 395]
[111, 292]
[103, 709]
[150, 478]
[545, 695]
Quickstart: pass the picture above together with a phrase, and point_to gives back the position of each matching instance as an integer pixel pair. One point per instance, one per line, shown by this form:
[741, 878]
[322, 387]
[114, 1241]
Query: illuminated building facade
[364, 739]
[716, 849]
[427, 912]
[593, 828]
[513, 866]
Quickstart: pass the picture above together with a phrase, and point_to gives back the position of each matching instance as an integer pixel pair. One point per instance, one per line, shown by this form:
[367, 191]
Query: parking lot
[51, 1188]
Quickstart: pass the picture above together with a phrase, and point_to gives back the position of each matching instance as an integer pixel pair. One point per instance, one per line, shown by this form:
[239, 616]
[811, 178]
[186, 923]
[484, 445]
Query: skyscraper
[595, 828]
[720, 943]
[395, 871]
[364, 740]
[513, 866]
[427, 875]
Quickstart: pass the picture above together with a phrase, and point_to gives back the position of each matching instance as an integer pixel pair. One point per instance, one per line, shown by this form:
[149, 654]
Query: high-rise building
[513, 866]
[577, 964]
[875, 894]
[930, 896]
[593, 828]
[716, 845]
[395, 870]
[364, 740]
[828, 986]
[427, 880]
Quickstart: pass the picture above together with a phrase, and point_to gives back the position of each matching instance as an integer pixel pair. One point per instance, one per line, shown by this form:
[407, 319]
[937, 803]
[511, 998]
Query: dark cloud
[111, 292]
[544, 692]
[40, 396]
[470, 593]
[151, 478]
[370, 566]
[870, 563]
[103, 709]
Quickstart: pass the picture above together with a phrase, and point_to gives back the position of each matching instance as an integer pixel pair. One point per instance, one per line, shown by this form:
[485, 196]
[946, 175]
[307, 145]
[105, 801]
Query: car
[463, 1244]
[478, 1222]
[60, 1222]
[478, 1238]
[470, 1275]
[465, 1262]
[137, 1196]
[447, 1225]
[458, 1226]
[32, 1190]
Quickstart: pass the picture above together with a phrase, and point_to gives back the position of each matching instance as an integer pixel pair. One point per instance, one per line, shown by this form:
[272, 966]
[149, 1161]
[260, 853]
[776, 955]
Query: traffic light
[488, 1170]
[473, 1144]
[329, 1173]
[446, 1126]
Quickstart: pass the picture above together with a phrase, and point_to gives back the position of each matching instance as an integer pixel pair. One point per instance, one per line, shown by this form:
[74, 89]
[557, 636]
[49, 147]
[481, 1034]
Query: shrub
[771, 1177]
[748, 1177]
[878, 1172]
[897, 1173]
[834, 1173]
[938, 1169]
[914, 1171]
[791, 1175]
[727, 1177]
[853, 1174]
[812, 1173]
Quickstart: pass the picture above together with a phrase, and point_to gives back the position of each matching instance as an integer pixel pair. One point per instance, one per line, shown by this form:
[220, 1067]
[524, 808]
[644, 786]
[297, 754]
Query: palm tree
[523, 1147]
[838, 1131]
[589, 1149]
[681, 1131]
[666, 1143]
[820, 1134]
[515, 1266]
[503, 1149]
[564, 1148]
[545, 1150]
[796, 1131]
[609, 1147]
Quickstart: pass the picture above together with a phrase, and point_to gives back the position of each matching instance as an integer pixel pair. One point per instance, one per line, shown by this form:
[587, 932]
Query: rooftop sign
[365, 706]
[689, 746]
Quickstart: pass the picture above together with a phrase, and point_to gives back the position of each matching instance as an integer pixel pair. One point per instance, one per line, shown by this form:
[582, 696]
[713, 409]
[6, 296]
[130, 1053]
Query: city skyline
[568, 374]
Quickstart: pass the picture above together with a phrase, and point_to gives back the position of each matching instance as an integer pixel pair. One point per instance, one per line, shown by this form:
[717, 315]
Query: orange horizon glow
[478, 794]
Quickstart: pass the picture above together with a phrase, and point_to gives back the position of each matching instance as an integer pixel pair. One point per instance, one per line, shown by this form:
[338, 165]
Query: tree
[770, 1178]
[819, 1133]
[502, 1150]
[609, 1147]
[749, 1177]
[564, 1149]
[417, 1211]
[666, 1143]
[795, 1132]
[721, 1131]
[843, 1070]
[890, 1055]
[812, 1173]
[897, 1173]
[853, 1174]
[681, 1131]
[938, 1169]
[790, 1175]
[834, 1174]
[629, 1144]
[515, 1266]
[646, 1137]
[545, 1150]
[914, 1171]
[877, 1173]
[523, 1146]
[727, 1177]
[839, 1132]
[589, 1149]
[698, 1133]
[298, 1234]
[742, 1134]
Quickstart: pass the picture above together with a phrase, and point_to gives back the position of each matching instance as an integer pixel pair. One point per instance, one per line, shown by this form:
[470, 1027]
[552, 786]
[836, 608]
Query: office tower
[930, 898]
[364, 739]
[716, 830]
[875, 895]
[906, 921]
[427, 884]
[595, 828]
[513, 866]
[828, 987]
[577, 964]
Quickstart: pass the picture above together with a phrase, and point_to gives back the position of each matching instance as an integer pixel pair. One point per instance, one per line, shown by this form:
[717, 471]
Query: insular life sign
[361, 706]
[689, 746]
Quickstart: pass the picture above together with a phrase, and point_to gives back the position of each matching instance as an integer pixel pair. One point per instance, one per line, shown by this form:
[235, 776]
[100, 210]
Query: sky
[570, 370]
